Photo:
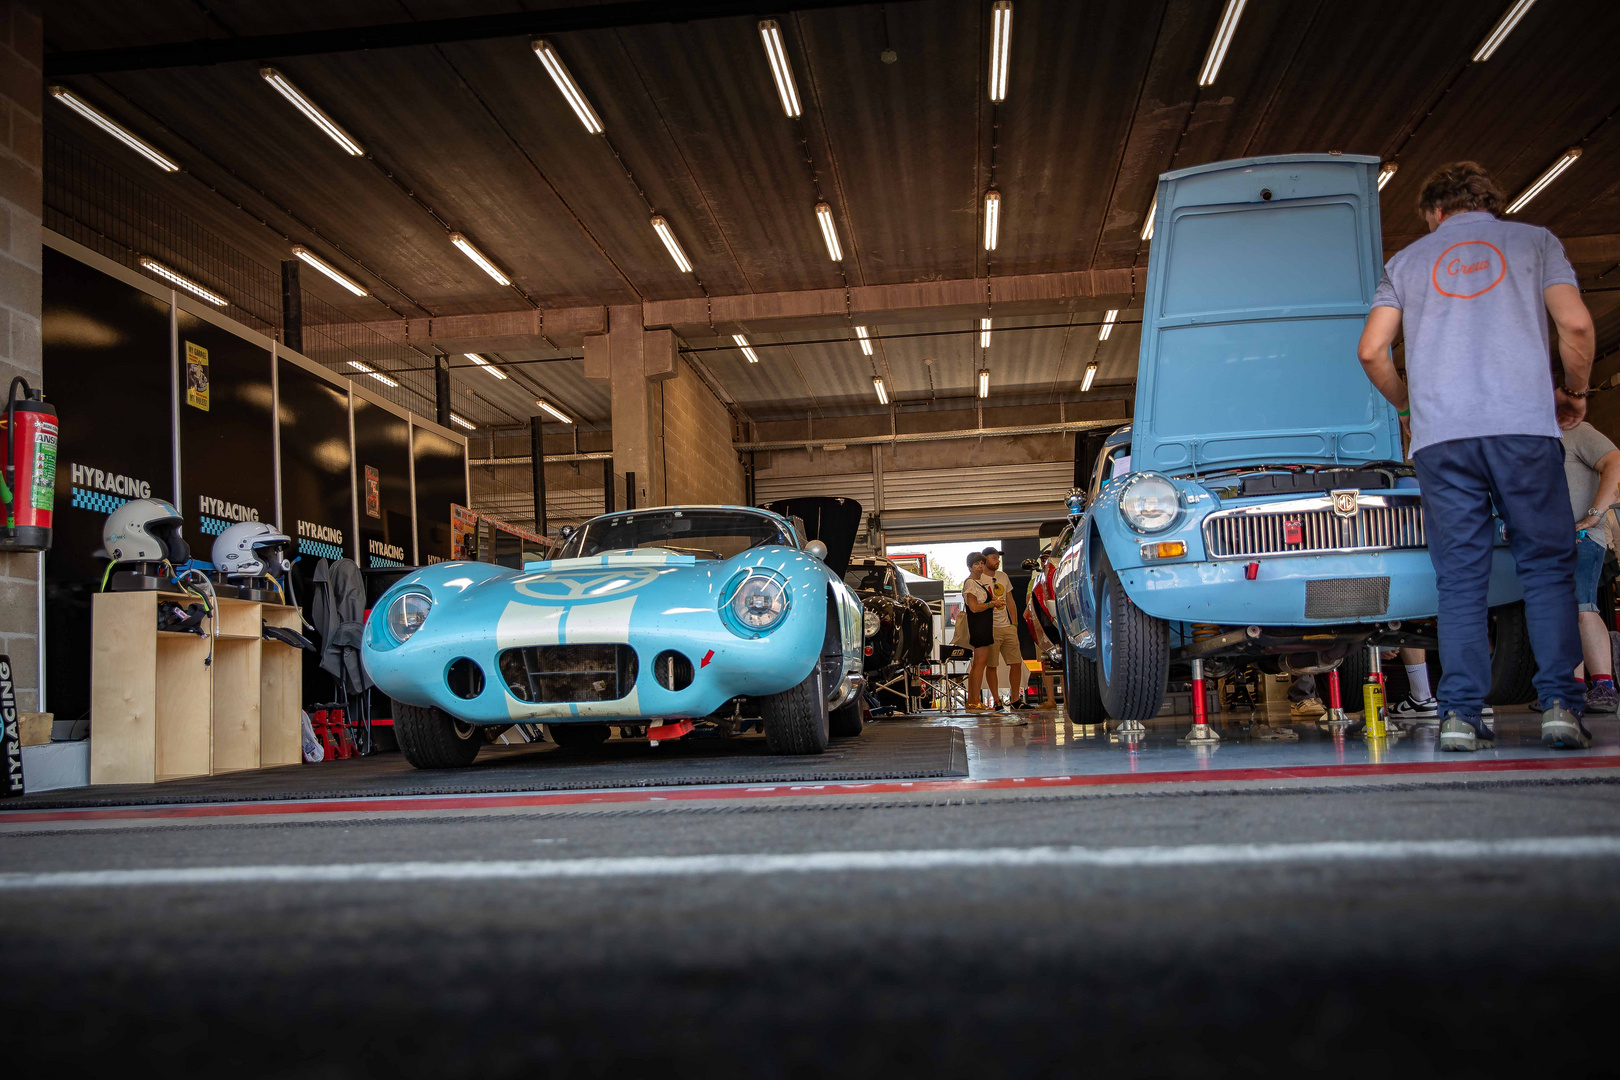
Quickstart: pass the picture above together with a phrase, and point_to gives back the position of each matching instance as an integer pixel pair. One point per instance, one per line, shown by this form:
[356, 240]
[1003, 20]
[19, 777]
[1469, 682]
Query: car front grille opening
[465, 678]
[1346, 598]
[569, 673]
[672, 670]
[1373, 528]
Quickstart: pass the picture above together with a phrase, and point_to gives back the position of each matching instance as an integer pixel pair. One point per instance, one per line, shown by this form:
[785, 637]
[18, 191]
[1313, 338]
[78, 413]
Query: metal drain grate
[1346, 598]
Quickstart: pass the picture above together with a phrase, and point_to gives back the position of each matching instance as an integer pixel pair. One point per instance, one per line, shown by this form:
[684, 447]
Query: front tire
[431, 738]
[1133, 651]
[1082, 700]
[796, 720]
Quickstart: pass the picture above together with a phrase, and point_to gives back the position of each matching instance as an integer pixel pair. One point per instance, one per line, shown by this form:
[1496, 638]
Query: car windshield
[870, 579]
[708, 534]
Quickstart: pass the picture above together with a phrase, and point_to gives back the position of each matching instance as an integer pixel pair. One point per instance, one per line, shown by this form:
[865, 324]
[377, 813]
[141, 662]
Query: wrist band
[1403, 412]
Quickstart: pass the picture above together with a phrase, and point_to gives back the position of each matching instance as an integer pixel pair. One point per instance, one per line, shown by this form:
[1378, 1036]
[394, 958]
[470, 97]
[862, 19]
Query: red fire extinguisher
[28, 452]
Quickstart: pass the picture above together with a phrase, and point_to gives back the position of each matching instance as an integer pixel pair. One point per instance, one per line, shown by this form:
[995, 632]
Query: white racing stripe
[1196, 855]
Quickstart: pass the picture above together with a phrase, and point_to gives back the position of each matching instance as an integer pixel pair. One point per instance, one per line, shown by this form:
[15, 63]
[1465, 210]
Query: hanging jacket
[339, 611]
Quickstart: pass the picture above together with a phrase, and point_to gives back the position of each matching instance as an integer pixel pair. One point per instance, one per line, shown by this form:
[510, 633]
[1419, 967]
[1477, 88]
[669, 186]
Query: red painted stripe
[505, 800]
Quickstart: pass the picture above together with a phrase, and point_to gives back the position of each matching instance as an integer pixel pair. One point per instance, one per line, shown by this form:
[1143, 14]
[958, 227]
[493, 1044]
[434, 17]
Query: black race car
[899, 626]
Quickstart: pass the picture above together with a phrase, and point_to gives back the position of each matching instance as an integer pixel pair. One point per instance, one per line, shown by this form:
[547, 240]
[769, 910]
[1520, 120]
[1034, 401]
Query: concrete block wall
[700, 465]
[22, 90]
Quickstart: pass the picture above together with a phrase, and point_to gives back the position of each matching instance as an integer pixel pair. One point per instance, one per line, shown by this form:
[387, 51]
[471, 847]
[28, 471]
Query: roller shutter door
[965, 504]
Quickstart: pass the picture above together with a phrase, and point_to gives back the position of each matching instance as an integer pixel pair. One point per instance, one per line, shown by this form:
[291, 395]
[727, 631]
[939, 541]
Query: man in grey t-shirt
[1592, 467]
[1473, 298]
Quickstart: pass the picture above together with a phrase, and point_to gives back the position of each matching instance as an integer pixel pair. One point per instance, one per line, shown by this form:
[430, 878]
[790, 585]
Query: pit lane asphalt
[1349, 966]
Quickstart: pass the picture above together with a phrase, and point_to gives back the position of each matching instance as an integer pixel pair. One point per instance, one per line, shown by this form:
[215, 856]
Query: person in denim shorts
[1592, 467]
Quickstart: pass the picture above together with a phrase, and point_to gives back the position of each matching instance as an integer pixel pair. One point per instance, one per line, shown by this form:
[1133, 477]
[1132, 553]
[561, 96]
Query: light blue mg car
[1257, 510]
[646, 619]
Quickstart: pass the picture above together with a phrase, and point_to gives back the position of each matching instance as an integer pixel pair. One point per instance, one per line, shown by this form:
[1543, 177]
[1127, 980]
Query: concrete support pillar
[22, 54]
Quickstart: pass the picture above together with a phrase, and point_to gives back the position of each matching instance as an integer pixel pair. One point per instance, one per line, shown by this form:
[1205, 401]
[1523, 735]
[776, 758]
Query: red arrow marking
[706, 658]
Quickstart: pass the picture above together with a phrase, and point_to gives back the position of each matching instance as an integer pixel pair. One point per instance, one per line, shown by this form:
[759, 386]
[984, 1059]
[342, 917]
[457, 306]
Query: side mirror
[818, 549]
[1076, 501]
[566, 532]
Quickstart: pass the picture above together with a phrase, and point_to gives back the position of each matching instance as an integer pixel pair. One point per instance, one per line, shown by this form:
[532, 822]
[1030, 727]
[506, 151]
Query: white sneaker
[1411, 710]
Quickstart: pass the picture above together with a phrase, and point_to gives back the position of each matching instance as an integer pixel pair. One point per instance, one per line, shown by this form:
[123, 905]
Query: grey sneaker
[1602, 698]
[1459, 735]
[1563, 730]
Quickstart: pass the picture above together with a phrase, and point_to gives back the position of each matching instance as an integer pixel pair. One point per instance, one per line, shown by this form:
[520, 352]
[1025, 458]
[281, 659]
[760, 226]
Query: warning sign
[196, 376]
[373, 493]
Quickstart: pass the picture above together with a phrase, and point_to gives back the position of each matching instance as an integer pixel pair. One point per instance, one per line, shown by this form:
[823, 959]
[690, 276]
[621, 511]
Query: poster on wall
[94, 324]
[463, 533]
[382, 455]
[227, 473]
[441, 483]
[196, 376]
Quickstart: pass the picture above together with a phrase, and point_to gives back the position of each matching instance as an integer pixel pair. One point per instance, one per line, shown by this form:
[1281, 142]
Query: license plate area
[569, 673]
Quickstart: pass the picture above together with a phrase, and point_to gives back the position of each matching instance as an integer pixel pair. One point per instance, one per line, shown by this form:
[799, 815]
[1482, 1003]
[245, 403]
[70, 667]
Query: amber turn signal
[1168, 549]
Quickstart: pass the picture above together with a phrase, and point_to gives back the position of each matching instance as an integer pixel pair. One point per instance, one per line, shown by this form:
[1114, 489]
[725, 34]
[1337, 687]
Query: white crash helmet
[250, 549]
[144, 530]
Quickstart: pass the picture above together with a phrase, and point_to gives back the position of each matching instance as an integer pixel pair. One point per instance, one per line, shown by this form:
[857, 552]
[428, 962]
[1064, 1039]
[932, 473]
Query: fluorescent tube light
[1000, 48]
[478, 257]
[326, 268]
[1386, 173]
[742, 343]
[1544, 179]
[485, 364]
[565, 82]
[866, 342]
[113, 128]
[1504, 26]
[1091, 373]
[992, 219]
[556, 413]
[1153, 212]
[459, 422]
[184, 282]
[1218, 44]
[373, 372]
[984, 333]
[829, 231]
[770, 32]
[313, 111]
[882, 393]
[984, 382]
[672, 245]
[1108, 324]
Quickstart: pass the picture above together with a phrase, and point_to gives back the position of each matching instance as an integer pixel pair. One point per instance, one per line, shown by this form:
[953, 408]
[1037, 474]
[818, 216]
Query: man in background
[1006, 649]
[1592, 467]
[1472, 299]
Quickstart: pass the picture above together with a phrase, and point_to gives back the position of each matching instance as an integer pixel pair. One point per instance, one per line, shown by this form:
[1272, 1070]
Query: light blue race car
[647, 618]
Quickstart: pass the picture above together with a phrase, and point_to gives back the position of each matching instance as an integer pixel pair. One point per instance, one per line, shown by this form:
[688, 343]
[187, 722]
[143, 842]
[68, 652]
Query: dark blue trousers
[1523, 476]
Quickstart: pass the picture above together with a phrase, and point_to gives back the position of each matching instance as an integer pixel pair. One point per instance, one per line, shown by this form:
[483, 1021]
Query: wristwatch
[1592, 511]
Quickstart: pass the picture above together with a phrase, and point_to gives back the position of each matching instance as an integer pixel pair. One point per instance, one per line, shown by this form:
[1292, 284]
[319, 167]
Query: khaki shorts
[1006, 647]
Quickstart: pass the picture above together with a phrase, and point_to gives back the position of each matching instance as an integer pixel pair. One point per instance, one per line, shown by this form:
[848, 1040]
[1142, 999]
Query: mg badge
[1347, 503]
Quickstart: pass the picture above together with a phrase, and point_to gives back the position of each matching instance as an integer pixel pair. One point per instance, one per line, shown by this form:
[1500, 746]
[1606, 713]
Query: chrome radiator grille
[1256, 531]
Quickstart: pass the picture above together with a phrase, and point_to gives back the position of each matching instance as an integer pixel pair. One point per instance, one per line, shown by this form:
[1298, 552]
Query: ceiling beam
[559, 20]
[780, 312]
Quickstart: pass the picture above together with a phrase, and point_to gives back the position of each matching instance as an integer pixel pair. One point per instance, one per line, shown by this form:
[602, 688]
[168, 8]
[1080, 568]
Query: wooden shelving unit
[158, 711]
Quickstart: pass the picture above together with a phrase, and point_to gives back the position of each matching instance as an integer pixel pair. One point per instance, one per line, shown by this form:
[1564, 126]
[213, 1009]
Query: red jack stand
[669, 732]
[1336, 720]
[1201, 734]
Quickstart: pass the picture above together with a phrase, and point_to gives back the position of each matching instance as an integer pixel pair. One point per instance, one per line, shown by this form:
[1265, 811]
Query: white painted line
[1195, 855]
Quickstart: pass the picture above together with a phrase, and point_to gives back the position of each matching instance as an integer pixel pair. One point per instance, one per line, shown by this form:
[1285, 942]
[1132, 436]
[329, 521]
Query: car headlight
[872, 623]
[407, 614]
[1149, 503]
[759, 603]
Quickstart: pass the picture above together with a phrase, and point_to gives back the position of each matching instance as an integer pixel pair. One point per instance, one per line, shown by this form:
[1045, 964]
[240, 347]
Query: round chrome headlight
[760, 602]
[1149, 503]
[407, 614]
[871, 623]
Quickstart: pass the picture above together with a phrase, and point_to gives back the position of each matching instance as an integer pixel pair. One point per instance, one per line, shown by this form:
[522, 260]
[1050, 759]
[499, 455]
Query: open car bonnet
[1260, 277]
[833, 521]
